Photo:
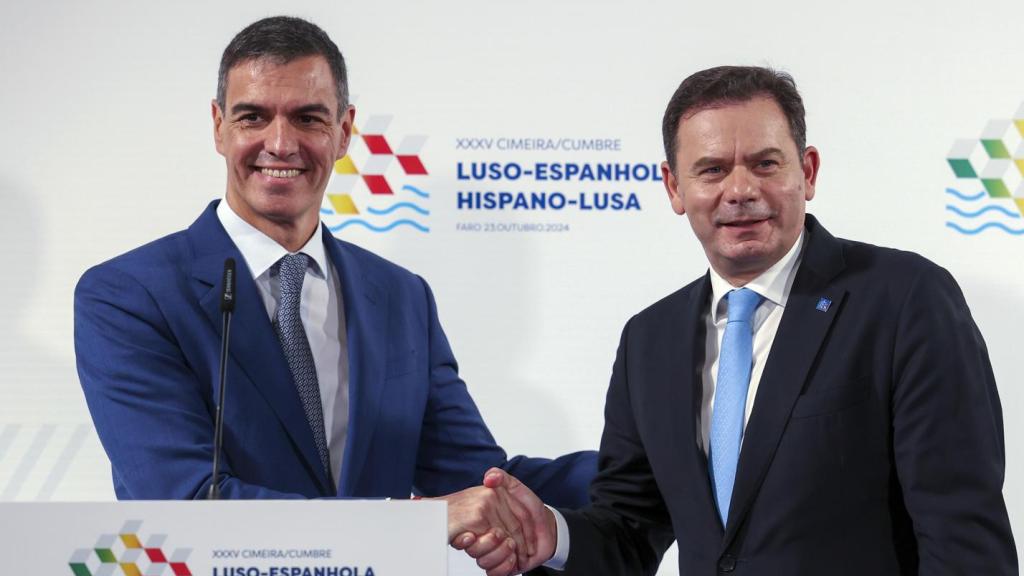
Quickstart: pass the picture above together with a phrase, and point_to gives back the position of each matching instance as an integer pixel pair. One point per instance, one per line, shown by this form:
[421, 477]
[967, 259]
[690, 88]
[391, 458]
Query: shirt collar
[774, 284]
[260, 251]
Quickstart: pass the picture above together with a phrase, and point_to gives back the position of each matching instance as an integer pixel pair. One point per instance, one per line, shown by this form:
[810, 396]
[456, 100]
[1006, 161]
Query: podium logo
[125, 553]
[990, 174]
[367, 189]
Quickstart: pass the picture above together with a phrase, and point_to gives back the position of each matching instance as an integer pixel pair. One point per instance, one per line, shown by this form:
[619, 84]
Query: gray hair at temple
[282, 39]
[724, 85]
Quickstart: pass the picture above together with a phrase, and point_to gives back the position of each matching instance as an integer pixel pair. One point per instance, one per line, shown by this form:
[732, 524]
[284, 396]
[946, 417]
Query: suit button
[726, 564]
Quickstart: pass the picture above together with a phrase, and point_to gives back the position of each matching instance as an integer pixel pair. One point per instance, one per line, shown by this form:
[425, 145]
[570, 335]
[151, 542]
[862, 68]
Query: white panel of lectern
[225, 538]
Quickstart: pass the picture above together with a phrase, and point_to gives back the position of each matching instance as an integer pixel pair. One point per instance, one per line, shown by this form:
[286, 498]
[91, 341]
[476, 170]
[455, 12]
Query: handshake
[502, 524]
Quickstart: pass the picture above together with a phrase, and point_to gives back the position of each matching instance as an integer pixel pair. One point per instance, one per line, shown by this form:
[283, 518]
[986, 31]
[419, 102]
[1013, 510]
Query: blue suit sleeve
[150, 410]
[456, 448]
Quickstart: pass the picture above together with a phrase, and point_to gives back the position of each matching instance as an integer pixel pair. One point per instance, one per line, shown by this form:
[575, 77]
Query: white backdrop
[106, 144]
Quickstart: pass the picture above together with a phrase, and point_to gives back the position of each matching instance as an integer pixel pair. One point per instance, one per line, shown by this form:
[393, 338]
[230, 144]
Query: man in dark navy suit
[342, 382]
[810, 405]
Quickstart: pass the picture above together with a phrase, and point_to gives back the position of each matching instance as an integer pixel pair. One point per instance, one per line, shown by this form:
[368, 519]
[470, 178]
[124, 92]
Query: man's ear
[348, 119]
[675, 196]
[218, 120]
[810, 165]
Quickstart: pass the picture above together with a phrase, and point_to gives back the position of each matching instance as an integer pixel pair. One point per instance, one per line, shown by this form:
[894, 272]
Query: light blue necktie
[288, 324]
[734, 364]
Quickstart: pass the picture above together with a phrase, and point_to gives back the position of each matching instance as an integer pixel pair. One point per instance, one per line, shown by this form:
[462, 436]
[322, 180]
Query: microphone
[227, 306]
[227, 295]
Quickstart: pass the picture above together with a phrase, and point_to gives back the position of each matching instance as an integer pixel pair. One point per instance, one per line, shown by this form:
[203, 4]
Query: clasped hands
[502, 524]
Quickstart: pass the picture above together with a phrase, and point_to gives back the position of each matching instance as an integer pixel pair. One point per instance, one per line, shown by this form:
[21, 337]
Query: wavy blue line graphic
[390, 209]
[416, 191]
[326, 211]
[963, 196]
[973, 231]
[373, 228]
[965, 214]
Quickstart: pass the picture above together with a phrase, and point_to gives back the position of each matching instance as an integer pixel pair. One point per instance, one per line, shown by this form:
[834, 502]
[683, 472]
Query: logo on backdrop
[989, 193]
[125, 553]
[367, 190]
[501, 183]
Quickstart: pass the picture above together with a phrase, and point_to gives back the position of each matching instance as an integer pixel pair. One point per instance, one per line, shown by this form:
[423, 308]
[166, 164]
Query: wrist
[552, 525]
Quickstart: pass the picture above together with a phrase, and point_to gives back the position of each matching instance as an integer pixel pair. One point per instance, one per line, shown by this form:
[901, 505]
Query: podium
[225, 538]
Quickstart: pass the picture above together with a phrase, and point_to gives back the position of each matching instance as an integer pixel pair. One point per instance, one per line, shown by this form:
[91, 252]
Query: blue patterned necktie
[734, 365]
[288, 324]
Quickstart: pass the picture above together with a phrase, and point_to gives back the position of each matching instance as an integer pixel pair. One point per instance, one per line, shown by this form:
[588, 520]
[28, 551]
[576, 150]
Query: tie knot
[742, 304]
[291, 271]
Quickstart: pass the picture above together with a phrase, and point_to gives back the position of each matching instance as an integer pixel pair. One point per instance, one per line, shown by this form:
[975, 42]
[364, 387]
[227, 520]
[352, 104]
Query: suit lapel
[254, 346]
[801, 332]
[691, 374]
[366, 322]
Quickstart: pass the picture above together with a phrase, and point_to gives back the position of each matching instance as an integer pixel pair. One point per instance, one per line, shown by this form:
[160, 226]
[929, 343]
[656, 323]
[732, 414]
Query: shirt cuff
[561, 556]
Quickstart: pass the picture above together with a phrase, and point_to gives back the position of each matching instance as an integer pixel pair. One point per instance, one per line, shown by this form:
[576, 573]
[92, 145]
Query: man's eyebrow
[245, 107]
[708, 161]
[313, 109]
[763, 153]
[705, 162]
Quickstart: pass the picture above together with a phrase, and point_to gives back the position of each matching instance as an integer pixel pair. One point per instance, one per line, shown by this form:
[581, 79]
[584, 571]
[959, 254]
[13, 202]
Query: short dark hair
[283, 39]
[732, 85]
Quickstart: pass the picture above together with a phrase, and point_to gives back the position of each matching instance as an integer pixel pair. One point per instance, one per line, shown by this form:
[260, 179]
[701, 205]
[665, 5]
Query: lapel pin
[823, 304]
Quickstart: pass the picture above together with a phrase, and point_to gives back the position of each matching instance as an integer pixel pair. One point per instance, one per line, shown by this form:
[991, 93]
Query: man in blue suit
[810, 405]
[341, 380]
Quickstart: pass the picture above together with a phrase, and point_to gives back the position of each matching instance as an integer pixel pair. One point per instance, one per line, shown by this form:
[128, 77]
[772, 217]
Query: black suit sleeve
[948, 434]
[626, 529]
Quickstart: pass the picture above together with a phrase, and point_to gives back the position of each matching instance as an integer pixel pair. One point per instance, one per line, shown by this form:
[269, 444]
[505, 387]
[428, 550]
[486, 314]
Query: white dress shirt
[322, 312]
[774, 285]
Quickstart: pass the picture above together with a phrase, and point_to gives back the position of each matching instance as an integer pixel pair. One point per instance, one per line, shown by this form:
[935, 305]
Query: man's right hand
[537, 524]
[491, 527]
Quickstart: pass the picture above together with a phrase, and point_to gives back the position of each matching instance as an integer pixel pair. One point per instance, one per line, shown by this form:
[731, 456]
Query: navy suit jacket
[875, 444]
[147, 341]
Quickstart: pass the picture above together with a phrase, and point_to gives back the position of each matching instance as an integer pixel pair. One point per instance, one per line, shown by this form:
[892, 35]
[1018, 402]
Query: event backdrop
[507, 152]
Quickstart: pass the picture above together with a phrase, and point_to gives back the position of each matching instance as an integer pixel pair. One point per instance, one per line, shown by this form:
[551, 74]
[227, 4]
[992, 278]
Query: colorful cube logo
[370, 168]
[126, 553]
[995, 161]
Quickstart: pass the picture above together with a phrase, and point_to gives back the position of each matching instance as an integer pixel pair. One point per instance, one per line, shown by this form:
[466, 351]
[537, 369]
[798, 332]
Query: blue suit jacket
[147, 340]
[874, 447]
